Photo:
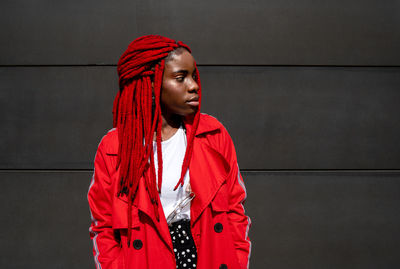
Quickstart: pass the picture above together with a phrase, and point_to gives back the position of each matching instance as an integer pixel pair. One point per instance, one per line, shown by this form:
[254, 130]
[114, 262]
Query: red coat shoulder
[109, 142]
[208, 124]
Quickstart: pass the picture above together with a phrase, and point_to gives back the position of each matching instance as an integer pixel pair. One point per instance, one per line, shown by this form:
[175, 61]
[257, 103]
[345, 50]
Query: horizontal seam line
[210, 65]
[320, 170]
[242, 170]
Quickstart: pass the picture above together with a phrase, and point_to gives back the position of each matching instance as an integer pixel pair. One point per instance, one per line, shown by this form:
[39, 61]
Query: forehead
[181, 61]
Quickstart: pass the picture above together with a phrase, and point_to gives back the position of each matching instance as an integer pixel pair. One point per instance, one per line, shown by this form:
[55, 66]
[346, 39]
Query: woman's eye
[180, 79]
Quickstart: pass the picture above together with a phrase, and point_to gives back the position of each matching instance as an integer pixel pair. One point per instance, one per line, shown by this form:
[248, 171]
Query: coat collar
[207, 124]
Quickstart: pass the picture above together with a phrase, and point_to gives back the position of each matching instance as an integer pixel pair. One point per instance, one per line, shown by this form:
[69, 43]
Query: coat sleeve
[240, 223]
[105, 248]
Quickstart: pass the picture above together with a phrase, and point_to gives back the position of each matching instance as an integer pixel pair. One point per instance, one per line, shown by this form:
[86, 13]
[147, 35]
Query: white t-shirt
[173, 152]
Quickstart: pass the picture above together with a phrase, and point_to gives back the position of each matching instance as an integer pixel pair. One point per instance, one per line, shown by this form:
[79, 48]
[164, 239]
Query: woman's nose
[193, 86]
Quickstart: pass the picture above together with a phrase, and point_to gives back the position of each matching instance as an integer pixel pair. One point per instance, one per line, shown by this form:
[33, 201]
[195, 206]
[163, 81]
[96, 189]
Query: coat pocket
[220, 202]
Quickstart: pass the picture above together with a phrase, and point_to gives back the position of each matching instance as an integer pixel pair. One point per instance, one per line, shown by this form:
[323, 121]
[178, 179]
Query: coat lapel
[208, 169]
[143, 204]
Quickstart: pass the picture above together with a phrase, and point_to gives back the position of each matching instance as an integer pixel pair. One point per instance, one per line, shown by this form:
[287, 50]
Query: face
[179, 92]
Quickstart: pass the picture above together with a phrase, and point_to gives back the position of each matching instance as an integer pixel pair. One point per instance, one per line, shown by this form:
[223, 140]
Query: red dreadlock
[136, 119]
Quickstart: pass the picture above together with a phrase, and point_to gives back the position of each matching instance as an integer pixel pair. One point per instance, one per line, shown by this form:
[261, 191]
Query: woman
[166, 190]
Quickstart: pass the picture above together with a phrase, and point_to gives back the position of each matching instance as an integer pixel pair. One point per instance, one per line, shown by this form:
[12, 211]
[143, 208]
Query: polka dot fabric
[184, 247]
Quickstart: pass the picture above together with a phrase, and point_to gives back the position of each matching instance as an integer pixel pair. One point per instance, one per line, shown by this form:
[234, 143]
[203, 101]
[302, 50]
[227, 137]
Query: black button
[218, 227]
[137, 244]
[223, 266]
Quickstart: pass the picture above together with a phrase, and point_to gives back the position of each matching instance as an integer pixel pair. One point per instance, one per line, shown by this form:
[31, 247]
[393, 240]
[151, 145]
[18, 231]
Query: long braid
[137, 120]
[189, 148]
[157, 95]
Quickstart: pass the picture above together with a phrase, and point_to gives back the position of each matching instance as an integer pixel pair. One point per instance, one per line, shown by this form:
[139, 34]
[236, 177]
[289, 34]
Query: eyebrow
[183, 71]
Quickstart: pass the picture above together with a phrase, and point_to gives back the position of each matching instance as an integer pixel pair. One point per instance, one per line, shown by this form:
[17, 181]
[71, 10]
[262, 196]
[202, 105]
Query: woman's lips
[193, 101]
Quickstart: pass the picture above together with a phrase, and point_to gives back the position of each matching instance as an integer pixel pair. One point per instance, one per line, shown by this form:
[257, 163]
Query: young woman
[166, 190]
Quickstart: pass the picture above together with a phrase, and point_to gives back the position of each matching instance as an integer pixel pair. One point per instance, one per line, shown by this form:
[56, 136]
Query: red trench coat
[218, 222]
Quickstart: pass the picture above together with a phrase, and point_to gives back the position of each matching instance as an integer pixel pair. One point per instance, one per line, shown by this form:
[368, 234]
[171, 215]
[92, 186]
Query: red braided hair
[137, 115]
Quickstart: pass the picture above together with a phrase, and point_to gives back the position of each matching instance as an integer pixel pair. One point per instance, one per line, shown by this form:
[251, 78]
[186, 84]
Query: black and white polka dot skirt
[184, 247]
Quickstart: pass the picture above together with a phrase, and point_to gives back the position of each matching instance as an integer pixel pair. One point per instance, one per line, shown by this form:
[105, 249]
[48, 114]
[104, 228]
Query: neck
[170, 124]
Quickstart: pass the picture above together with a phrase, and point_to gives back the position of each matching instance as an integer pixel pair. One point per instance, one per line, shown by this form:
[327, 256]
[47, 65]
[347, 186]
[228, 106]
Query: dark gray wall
[300, 219]
[309, 90]
[256, 32]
